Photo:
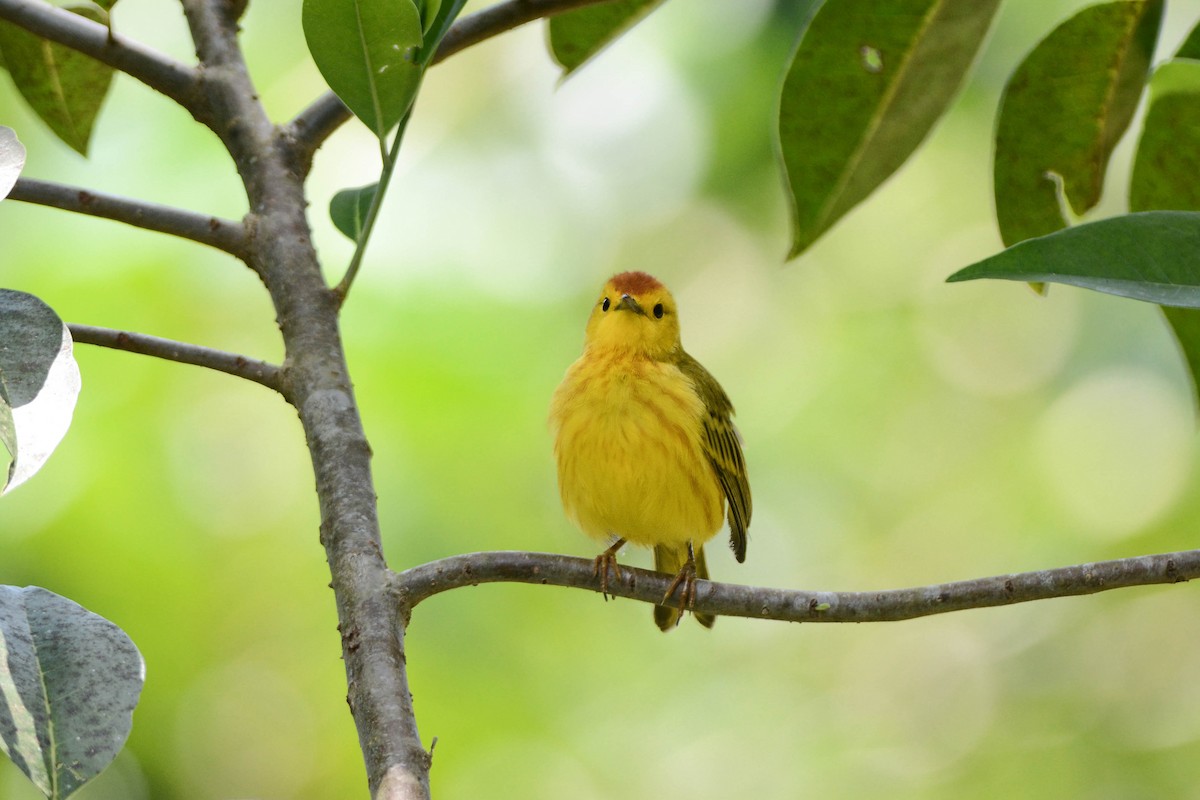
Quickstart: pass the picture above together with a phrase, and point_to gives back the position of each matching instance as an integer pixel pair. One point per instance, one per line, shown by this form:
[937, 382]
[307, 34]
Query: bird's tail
[671, 560]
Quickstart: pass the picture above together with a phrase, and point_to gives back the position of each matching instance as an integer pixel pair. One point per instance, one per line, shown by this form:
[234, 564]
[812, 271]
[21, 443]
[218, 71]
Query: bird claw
[686, 577]
[605, 563]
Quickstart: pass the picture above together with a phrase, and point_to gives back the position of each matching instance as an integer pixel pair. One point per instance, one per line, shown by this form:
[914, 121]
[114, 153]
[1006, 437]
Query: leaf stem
[385, 178]
[316, 123]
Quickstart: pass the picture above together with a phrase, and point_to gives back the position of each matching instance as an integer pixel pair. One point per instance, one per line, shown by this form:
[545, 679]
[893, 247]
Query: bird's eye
[658, 310]
[604, 305]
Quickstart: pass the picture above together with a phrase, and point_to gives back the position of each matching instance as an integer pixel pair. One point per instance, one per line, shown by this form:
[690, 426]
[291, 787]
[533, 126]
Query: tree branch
[312, 126]
[791, 605]
[222, 234]
[154, 69]
[317, 382]
[230, 363]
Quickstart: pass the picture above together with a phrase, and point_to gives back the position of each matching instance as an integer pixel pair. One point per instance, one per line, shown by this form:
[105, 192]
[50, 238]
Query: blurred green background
[899, 431]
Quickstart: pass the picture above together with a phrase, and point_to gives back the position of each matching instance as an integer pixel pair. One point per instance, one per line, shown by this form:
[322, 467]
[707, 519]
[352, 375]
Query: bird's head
[635, 314]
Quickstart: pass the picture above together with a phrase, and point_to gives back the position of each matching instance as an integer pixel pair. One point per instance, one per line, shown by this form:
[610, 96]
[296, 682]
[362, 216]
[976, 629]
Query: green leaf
[367, 52]
[1164, 176]
[1063, 112]
[40, 379]
[63, 87]
[435, 28]
[1168, 154]
[69, 681]
[1148, 256]
[1191, 45]
[577, 36]
[865, 86]
[1185, 326]
[349, 209]
[429, 10]
[12, 160]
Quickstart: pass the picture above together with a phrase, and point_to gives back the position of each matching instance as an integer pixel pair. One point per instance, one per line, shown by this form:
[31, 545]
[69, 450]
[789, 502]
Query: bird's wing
[723, 446]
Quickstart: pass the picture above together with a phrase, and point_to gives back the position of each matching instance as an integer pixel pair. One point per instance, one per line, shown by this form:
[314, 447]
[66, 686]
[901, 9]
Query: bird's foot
[605, 563]
[685, 578]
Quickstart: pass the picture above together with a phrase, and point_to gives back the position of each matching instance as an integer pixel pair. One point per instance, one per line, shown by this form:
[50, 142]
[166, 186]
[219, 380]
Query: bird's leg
[606, 562]
[687, 577]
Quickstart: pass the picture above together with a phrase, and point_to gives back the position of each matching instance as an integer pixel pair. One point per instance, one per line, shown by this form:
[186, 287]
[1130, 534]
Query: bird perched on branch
[645, 447]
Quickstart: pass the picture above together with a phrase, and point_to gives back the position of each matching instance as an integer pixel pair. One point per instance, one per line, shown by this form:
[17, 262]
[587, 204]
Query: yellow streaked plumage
[645, 447]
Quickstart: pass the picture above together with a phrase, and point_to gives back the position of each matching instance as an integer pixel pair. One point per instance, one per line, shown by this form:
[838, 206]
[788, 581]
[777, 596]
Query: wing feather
[723, 446]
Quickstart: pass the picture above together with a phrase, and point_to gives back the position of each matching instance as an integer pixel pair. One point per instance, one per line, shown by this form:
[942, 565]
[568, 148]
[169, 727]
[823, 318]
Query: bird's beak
[629, 304]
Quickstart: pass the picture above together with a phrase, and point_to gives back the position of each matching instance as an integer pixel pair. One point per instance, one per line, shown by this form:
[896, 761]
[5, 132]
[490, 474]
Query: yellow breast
[628, 446]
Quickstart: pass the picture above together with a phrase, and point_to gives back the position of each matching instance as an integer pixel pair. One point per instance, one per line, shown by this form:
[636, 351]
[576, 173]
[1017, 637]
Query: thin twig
[173, 79]
[732, 600]
[312, 126]
[223, 234]
[260, 372]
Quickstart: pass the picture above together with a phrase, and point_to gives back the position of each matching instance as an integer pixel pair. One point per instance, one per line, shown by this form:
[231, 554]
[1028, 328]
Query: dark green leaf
[12, 160]
[429, 10]
[578, 35]
[866, 84]
[1167, 164]
[349, 209]
[1148, 256]
[40, 378]
[1185, 325]
[1191, 45]
[63, 87]
[436, 27]
[1164, 175]
[367, 52]
[69, 681]
[1064, 110]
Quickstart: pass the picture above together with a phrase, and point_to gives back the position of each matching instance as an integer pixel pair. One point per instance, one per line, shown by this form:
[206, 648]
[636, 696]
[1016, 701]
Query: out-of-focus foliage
[1167, 153]
[898, 431]
[579, 35]
[65, 88]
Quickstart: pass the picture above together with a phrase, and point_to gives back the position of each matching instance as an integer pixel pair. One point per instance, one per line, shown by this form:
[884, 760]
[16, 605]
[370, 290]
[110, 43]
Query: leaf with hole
[40, 383]
[62, 86]
[1064, 110]
[864, 87]
[69, 681]
[367, 51]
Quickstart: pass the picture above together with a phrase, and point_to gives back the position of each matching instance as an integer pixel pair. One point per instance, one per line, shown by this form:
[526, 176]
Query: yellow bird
[645, 447]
